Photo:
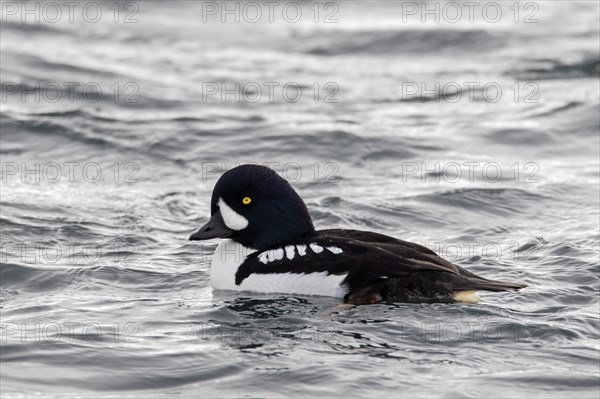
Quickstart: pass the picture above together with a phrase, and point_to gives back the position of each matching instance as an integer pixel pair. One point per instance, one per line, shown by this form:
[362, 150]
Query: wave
[391, 43]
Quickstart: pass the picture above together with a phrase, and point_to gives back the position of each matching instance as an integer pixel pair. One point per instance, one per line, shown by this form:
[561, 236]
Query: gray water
[478, 139]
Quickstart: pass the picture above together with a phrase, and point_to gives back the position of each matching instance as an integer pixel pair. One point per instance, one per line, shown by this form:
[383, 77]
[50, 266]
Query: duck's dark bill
[215, 228]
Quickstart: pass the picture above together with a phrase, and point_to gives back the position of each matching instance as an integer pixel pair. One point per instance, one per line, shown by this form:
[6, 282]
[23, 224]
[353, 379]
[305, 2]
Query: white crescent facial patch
[232, 219]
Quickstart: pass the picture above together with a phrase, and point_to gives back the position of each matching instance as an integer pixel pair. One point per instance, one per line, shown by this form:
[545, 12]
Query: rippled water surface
[102, 295]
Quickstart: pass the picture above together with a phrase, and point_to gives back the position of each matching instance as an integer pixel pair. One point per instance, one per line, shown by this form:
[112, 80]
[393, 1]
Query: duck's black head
[253, 205]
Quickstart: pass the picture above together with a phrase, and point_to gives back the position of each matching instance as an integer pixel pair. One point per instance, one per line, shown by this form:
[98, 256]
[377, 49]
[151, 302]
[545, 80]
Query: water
[495, 167]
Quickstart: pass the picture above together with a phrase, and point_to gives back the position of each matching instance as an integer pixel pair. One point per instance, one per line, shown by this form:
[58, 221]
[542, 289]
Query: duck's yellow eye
[246, 200]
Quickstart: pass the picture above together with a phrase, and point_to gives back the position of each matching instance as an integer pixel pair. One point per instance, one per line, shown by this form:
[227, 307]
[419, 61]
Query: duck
[270, 246]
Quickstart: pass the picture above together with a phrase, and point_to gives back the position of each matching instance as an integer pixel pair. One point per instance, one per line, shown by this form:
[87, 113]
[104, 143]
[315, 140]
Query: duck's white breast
[229, 255]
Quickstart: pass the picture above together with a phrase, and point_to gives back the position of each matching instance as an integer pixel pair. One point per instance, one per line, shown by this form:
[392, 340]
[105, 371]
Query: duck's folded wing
[338, 256]
[371, 271]
[373, 238]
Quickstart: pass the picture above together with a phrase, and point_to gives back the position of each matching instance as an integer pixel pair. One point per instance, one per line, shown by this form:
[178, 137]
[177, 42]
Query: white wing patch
[316, 248]
[335, 250]
[264, 258]
[232, 219]
[275, 254]
[301, 249]
[290, 252]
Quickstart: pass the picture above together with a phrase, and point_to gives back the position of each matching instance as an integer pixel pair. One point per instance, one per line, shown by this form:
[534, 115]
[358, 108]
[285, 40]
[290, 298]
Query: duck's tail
[482, 284]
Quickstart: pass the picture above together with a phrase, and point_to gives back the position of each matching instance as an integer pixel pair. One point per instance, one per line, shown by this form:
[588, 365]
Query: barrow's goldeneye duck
[273, 247]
